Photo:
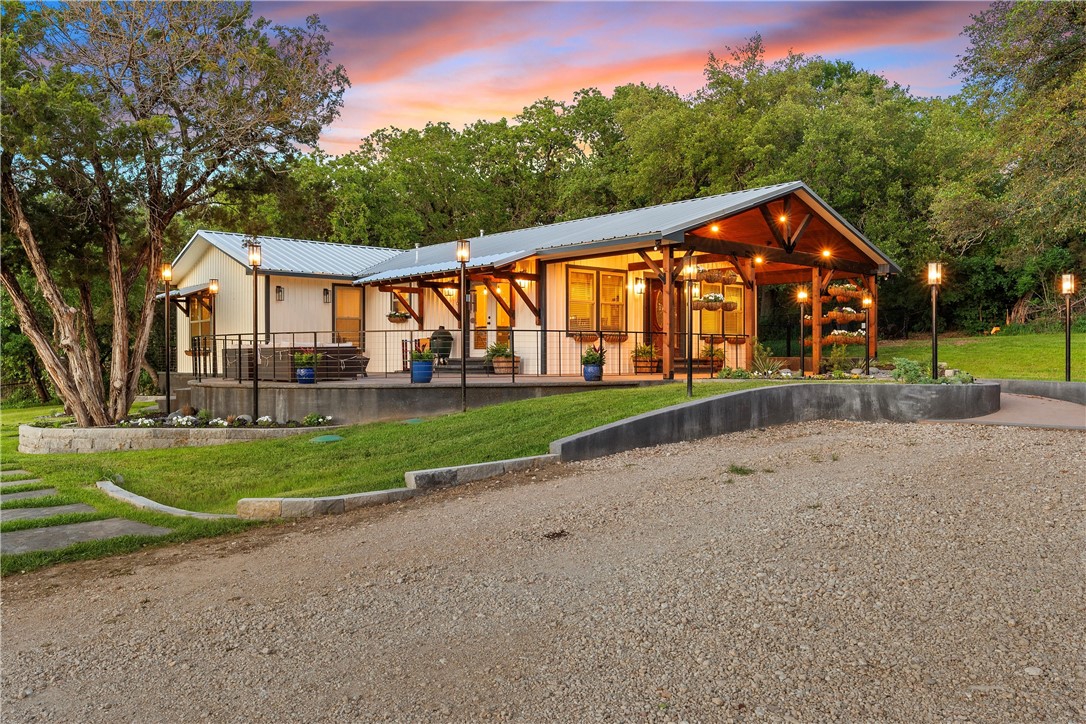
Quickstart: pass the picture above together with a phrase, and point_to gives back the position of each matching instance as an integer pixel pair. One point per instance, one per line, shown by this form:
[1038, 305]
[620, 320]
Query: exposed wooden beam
[650, 264]
[793, 239]
[792, 276]
[489, 283]
[770, 223]
[407, 305]
[742, 274]
[402, 290]
[448, 305]
[826, 280]
[772, 254]
[527, 300]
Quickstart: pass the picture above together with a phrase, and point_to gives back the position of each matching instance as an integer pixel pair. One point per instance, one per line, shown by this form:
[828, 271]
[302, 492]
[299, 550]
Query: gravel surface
[813, 572]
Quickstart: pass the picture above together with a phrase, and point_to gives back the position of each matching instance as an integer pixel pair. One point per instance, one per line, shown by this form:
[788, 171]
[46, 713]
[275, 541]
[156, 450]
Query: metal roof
[653, 222]
[291, 257]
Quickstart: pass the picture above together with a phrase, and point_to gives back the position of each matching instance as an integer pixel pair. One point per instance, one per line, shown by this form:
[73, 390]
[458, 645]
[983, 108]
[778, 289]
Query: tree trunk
[35, 379]
[150, 370]
[1020, 311]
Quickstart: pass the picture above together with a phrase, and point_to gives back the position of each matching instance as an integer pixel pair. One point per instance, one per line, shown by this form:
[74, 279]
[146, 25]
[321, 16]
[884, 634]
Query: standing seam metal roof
[298, 256]
[653, 222]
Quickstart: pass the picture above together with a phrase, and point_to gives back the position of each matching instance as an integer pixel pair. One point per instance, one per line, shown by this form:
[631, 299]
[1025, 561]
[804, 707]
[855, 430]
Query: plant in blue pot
[422, 365]
[305, 364]
[592, 364]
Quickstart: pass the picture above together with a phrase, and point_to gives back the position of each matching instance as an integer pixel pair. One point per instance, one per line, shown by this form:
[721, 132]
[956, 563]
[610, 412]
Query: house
[618, 280]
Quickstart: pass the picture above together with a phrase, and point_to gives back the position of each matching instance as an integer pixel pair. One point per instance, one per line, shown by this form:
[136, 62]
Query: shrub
[593, 356]
[762, 362]
[498, 349]
[737, 373]
[910, 372]
[421, 355]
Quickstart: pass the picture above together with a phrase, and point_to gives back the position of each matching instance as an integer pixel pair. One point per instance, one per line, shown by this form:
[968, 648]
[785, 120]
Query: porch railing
[553, 352]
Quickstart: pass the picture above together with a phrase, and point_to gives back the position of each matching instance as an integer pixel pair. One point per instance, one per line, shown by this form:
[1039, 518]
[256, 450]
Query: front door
[489, 319]
[347, 314]
[654, 317]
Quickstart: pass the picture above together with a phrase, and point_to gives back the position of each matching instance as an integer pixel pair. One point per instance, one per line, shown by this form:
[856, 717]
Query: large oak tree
[117, 117]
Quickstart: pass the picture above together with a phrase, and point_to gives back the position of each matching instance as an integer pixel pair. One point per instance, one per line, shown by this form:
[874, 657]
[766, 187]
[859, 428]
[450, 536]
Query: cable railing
[387, 353]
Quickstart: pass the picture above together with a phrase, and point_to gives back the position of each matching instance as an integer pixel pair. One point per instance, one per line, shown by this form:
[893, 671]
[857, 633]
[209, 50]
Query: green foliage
[593, 356]
[308, 358]
[421, 355]
[910, 372]
[838, 360]
[1029, 356]
[762, 362]
[497, 349]
[645, 351]
[729, 373]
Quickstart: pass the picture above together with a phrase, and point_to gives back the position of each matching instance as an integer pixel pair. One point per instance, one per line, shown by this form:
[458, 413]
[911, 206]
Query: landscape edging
[114, 491]
[46, 440]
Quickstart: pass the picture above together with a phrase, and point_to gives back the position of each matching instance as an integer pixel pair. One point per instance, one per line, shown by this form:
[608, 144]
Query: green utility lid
[326, 438]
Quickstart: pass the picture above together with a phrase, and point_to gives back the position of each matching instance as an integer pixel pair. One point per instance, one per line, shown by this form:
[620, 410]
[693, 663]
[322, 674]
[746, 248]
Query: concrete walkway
[1032, 411]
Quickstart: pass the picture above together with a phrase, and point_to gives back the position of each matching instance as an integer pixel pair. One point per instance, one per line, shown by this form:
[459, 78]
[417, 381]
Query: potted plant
[501, 359]
[305, 363]
[712, 302]
[592, 364]
[646, 359]
[398, 317]
[715, 357]
[422, 365]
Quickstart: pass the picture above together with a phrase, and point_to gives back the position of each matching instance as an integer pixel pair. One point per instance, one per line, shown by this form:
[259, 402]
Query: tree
[123, 115]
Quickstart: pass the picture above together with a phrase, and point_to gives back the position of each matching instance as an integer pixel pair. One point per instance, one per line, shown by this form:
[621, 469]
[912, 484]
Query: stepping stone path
[50, 538]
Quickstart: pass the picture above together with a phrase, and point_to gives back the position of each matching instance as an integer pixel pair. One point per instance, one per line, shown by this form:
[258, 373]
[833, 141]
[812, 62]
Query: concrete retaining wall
[460, 474]
[779, 405]
[44, 440]
[353, 404]
[1066, 391]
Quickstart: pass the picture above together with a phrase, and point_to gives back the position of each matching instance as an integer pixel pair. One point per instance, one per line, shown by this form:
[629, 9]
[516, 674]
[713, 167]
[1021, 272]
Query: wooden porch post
[669, 313]
[816, 314]
[873, 316]
[750, 308]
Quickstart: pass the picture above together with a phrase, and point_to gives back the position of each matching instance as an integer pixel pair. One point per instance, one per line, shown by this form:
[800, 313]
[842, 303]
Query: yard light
[867, 334]
[463, 253]
[166, 272]
[801, 297]
[690, 272]
[252, 247]
[213, 290]
[935, 278]
[1067, 288]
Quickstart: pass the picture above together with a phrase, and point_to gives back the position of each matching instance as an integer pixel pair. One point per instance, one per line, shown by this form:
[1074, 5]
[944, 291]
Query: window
[711, 321]
[597, 300]
[582, 299]
[720, 322]
[200, 319]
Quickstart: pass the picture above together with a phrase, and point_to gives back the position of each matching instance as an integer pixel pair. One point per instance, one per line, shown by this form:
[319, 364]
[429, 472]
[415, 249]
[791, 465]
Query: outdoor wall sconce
[1067, 288]
[523, 283]
[327, 294]
[639, 285]
[213, 286]
[280, 293]
[448, 291]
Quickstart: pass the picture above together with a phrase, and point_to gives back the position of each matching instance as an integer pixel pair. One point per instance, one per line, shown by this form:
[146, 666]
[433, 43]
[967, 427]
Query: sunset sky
[413, 62]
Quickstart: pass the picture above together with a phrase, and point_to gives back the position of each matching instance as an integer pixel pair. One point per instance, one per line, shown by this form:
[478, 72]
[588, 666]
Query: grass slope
[1024, 357]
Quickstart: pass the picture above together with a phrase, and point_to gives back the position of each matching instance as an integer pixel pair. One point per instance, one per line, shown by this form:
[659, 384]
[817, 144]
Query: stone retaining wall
[44, 440]
[780, 405]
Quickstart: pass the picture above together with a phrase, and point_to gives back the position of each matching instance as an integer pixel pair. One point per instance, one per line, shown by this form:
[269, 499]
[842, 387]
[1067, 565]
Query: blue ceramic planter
[593, 373]
[305, 375]
[422, 370]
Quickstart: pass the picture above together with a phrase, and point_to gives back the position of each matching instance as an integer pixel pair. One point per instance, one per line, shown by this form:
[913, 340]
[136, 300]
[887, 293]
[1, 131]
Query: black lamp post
[167, 277]
[867, 335]
[463, 253]
[935, 278]
[690, 272]
[213, 290]
[1068, 288]
[801, 297]
[252, 246]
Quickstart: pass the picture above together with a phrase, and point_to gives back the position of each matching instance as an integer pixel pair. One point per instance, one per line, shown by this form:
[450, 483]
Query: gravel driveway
[837, 571]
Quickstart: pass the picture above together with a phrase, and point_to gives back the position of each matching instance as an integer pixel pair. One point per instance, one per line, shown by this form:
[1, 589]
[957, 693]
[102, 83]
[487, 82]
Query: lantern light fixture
[1067, 284]
[463, 250]
[280, 293]
[639, 285]
[801, 296]
[213, 286]
[167, 272]
[935, 273]
[326, 294]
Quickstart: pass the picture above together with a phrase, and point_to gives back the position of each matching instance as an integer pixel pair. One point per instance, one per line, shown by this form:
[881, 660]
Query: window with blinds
[612, 301]
[711, 321]
[582, 299]
[733, 321]
[597, 300]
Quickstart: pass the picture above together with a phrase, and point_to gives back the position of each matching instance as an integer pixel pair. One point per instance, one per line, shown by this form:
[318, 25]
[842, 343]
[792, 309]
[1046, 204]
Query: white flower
[265, 420]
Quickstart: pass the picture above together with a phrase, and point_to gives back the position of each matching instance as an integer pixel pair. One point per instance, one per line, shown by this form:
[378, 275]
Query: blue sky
[413, 62]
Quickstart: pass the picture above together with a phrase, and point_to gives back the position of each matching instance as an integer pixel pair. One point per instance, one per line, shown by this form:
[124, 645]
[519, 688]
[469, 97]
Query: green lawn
[370, 457]
[1026, 356]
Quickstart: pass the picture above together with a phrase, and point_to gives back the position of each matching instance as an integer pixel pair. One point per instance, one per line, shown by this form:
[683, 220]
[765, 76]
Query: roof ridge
[642, 208]
[338, 244]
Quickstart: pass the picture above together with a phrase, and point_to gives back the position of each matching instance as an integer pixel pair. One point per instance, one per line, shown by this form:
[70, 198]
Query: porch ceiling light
[714, 228]
[783, 218]
[167, 272]
[759, 260]
[213, 286]
[826, 254]
[463, 250]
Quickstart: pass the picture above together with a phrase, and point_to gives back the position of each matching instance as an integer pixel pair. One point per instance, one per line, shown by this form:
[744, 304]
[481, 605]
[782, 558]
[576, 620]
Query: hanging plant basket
[736, 340]
[697, 304]
[712, 276]
[730, 277]
[615, 337]
[826, 299]
[729, 306]
[397, 319]
[583, 337]
[823, 320]
[712, 306]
